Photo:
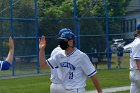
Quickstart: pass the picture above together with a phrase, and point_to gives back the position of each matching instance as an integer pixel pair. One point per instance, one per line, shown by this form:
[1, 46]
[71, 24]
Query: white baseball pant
[135, 81]
[58, 88]
[76, 90]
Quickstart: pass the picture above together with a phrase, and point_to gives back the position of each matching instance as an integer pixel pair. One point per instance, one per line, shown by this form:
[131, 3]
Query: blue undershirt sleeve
[5, 65]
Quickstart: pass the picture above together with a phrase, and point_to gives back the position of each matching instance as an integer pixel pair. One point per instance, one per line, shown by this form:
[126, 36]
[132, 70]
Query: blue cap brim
[138, 26]
[60, 38]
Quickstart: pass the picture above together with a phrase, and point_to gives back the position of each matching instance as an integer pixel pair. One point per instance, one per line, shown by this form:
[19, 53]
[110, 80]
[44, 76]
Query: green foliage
[115, 8]
[56, 8]
[4, 8]
[85, 8]
[64, 8]
[59, 9]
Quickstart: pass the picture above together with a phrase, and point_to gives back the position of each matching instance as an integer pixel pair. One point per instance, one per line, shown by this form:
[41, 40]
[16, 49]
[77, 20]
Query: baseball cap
[64, 30]
[138, 26]
[67, 36]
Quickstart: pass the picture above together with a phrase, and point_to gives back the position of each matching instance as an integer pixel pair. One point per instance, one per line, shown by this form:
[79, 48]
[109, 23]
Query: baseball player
[120, 56]
[135, 62]
[5, 65]
[74, 65]
[56, 85]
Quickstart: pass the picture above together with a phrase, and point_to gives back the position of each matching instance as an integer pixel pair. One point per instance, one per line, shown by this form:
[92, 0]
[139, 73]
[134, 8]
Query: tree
[24, 29]
[62, 12]
[85, 8]
[4, 27]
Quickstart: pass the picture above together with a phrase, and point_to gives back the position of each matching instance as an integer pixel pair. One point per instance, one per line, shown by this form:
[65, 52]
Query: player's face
[70, 43]
[63, 44]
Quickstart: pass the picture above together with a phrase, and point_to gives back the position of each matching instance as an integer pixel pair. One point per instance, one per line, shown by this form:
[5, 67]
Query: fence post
[107, 35]
[37, 37]
[11, 32]
[75, 21]
[78, 34]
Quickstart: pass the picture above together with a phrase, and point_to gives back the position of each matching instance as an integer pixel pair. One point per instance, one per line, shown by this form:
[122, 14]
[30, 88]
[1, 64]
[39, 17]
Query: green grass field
[123, 92]
[41, 84]
[124, 64]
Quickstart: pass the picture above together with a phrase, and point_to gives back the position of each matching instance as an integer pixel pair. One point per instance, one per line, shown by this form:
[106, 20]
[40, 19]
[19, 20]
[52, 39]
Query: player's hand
[11, 44]
[42, 43]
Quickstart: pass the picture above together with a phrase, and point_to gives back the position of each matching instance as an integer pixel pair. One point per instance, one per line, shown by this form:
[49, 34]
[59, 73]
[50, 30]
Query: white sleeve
[128, 46]
[137, 52]
[55, 51]
[87, 66]
[52, 61]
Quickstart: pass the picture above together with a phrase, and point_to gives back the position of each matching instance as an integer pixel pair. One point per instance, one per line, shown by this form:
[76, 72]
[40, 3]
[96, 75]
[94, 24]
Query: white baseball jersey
[75, 68]
[134, 53]
[134, 73]
[54, 72]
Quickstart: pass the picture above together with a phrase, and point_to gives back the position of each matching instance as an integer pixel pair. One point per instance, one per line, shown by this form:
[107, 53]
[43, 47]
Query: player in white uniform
[135, 63]
[56, 85]
[5, 65]
[75, 66]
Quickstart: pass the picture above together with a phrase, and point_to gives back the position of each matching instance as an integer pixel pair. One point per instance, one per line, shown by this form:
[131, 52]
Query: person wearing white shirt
[56, 83]
[75, 66]
[134, 48]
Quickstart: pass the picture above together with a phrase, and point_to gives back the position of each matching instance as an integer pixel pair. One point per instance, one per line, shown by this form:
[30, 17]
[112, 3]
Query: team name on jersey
[67, 65]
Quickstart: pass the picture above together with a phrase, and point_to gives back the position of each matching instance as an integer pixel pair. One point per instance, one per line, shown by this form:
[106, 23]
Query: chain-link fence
[98, 25]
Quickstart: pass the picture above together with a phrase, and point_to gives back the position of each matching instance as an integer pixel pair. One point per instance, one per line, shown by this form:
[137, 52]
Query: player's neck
[69, 50]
